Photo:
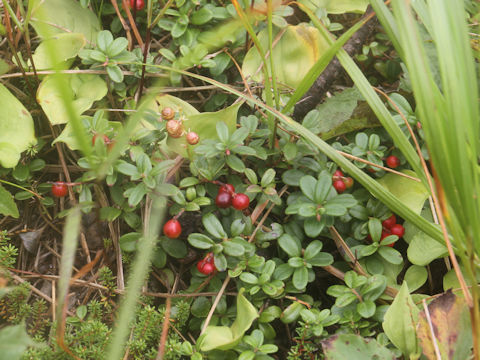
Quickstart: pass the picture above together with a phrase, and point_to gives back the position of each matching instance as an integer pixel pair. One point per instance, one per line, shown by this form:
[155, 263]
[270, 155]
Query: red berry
[167, 113]
[340, 186]
[59, 189]
[138, 4]
[205, 267]
[398, 230]
[348, 182]
[338, 173]
[388, 223]
[106, 139]
[172, 229]
[240, 201]
[192, 138]
[228, 188]
[223, 200]
[393, 161]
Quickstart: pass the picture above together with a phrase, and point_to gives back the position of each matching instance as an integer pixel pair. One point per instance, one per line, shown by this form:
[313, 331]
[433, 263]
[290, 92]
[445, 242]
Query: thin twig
[432, 332]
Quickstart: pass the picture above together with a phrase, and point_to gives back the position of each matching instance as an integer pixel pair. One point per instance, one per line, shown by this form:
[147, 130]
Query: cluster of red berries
[137, 4]
[390, 227]
[175, 128]
[172, 228]
[392, 161]
[340, 182]
[207, 265]
[227, 197]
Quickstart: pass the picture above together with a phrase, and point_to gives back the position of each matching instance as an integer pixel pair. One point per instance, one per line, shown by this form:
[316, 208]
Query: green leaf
[297, 50]
[224, 338]
[235, 163]
[67, 47]
[85, 90]
[415, 277]
[342, 346]
[174, 247]
[126, 168]
[400, 322]
[200, 241]
[117, 46]
[268, 177]
[410, 192]
[14, 340]
[222, 132]
[375, 228]
[422, 249]
[7, 204]
[292, 177]
[308, 185]
[109, 213]
[128, 242]
[322, 188]
[312, 249]
[390, 254]
[334, 209]
[233, 249]
[313, 227]
[300, 278]
[213, 226]
[58, 16]
[115, 73]
[291, 245]
[104, 39]
[291, 313]
[321, 259]
[366, 308]
[248, 278]
[17, 132]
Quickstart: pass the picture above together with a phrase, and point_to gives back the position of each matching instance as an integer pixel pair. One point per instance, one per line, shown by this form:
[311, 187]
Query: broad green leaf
[390, 254]
[174, 247]
[410, 192]
[14, 340]
[400, 323]
[366, 308]
[213, 226]
[415, 276]
[223, 337]
[290, 245]
[349, 346]
[7, 204]
[423, 249]
[450, 321]
[60, 16]
[85, 90]
[321, 259]
[291, 313]
[128, 242]
[67, 46]
[17, 132]
[294, 54]
[308, 184]
[300, 278]
[312, 249]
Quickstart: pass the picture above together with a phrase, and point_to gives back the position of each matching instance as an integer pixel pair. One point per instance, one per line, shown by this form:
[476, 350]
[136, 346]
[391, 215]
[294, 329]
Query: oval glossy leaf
[200, 241]
[290, 245]
[213, 226]
[415, 276]
[7, 204]
[16, 129]
[66, 47]
[300, 278]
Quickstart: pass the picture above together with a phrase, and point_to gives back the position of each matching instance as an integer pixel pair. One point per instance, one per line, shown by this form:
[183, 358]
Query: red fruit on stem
[348, 182]
[398, 230]
[192, 138]
[205, 267]
[393, 161]
[338, 173]
[172, 229]
[240, 201]
[137, 4]
[59, 189]
[388, 223]
[340, 186]
[228, 188]
[223, 200]
[106, 139]
[168, 113]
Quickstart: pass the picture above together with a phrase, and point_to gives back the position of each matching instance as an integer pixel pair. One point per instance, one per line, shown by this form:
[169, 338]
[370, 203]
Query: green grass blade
[138, 274]
[69, 248]
[388, 22]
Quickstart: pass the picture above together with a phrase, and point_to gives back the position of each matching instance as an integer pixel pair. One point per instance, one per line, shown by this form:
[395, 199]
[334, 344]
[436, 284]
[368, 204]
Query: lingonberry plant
[305, 232]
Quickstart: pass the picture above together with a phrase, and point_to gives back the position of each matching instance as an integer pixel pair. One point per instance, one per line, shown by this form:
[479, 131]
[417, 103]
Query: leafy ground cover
[238, 180]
